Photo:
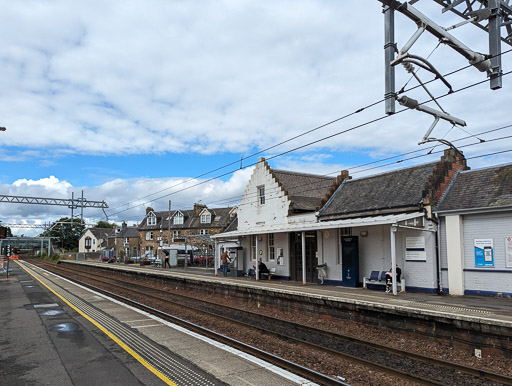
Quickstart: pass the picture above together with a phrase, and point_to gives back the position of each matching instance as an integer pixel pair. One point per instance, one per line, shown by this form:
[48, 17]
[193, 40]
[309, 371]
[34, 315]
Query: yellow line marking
[108, 333]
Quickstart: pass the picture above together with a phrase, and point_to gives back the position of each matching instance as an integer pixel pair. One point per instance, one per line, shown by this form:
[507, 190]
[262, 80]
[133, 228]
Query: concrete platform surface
[57, 333]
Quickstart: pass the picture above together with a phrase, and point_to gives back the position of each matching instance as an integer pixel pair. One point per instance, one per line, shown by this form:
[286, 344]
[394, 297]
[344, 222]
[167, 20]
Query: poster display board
[484, 253]
[508, 251]
[415, 248]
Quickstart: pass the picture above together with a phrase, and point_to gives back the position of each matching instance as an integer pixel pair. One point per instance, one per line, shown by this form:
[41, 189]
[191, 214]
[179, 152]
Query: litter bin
[322, 272]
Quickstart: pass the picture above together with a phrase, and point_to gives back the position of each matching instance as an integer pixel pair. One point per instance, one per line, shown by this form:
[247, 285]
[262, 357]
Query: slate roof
[233, 226]
[99, 233]
[304, 190]
[477, 189]
[219, 219]
[399, 191]
[128, 232]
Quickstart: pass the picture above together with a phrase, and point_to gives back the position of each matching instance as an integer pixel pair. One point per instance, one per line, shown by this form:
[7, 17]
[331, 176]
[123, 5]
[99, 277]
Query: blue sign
[484, 253]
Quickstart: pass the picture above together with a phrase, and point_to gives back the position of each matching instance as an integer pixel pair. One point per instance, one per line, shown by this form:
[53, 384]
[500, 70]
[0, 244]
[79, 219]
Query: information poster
[508, 251]
[484, 253]
[415, 248]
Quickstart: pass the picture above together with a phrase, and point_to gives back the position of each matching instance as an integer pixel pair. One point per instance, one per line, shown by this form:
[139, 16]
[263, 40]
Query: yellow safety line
[109, 334]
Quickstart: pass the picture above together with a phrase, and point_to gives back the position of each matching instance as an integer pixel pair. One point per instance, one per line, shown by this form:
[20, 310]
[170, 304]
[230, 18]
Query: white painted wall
[251, 214]
[375, 254]
[81, 242]
[495, 226]
[454, 254]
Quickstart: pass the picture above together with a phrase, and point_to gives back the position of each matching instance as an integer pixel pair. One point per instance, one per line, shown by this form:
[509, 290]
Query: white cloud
[146, 77]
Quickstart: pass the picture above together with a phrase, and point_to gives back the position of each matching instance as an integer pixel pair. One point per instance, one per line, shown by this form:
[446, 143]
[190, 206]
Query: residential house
[126, 241]
[475, 217]
[94, 240]
[193, 227]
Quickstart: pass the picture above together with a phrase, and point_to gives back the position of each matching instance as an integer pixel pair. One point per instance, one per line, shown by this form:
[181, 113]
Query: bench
[271, 272]
[375, 279]
[157, 263]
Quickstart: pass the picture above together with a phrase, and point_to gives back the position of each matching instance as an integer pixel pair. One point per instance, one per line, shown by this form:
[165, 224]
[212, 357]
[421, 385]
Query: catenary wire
[299, 147]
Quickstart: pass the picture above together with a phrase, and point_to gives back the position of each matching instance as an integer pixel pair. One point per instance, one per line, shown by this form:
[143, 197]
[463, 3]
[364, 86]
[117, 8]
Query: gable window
[178, 219]
[253, 247]
[261, 195]
[87, 242]
[203, 232]
[149, 235]
[151, 219]
[206, 218]
[271, 248]
[93, 241]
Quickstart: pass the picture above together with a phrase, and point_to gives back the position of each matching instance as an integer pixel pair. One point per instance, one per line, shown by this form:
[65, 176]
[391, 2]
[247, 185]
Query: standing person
[225, 260]
[262, 268]
[166, 260]
[389, 278]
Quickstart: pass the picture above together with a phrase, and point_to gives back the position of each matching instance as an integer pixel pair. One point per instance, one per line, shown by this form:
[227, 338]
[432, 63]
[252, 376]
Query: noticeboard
[415, 249]
[484, 253]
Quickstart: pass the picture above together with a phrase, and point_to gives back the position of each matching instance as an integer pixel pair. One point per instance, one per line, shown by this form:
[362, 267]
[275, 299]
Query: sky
[138, 102]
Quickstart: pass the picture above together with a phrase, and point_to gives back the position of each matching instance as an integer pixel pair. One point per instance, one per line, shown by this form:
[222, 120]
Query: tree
[105, 224]
[67, 231]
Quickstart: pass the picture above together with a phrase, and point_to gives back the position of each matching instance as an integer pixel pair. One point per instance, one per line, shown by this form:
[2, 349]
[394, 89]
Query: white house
[94, 239]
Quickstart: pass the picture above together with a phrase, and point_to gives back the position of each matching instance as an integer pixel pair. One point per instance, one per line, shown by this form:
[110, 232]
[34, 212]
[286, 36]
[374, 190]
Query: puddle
[51, 312]
[64, 327]
[50, 305]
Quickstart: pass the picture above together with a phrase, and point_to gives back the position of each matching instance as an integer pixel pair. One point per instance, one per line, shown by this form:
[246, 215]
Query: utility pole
[169, 225]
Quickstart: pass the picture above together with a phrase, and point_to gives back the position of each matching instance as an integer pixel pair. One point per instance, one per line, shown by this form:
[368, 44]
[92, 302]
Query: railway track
[398, 363]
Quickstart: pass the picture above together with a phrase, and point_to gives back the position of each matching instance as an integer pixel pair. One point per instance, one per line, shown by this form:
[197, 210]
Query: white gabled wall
[275, 210]
[81, 242]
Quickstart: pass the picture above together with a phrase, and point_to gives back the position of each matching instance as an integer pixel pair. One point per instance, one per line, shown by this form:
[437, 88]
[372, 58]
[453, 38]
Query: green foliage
[105, 224]
[66, 233]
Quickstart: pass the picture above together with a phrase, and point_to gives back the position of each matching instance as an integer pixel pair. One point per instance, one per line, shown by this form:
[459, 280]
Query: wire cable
[305, 145]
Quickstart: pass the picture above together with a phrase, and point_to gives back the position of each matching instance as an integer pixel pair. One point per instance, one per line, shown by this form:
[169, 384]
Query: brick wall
[451, 162]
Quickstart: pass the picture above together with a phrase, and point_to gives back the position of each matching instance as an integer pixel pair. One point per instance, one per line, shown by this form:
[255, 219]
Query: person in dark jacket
[262, 269]
[166, 260]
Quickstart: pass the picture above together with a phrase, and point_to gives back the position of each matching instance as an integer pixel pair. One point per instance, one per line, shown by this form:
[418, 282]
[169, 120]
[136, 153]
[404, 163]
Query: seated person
[262, 269]
[389, 276]
[251, 272]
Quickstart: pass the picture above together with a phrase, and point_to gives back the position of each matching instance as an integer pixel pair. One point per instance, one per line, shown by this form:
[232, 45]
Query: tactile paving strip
[174, 369]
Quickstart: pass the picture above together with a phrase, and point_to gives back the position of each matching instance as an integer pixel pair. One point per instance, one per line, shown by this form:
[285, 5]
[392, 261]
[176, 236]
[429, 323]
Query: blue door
[350, 261]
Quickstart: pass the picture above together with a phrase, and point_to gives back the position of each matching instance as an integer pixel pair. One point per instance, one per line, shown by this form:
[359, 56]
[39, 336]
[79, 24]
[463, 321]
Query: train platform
[55, 332]
[490, 314]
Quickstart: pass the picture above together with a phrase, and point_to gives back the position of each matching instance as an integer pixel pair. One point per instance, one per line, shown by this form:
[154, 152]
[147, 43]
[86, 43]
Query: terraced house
[192, 226]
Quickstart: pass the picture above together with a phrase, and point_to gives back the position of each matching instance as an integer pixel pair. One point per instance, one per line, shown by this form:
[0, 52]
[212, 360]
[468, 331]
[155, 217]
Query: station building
[475, 217]
[297, 222]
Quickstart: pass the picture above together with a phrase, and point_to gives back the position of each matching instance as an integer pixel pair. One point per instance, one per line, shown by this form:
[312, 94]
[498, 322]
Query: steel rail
[261, 354]
[481, 374]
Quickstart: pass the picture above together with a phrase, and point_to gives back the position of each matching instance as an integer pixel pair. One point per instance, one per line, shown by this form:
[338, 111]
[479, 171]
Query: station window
[261, 195]
[253, 247]
[271, 248]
